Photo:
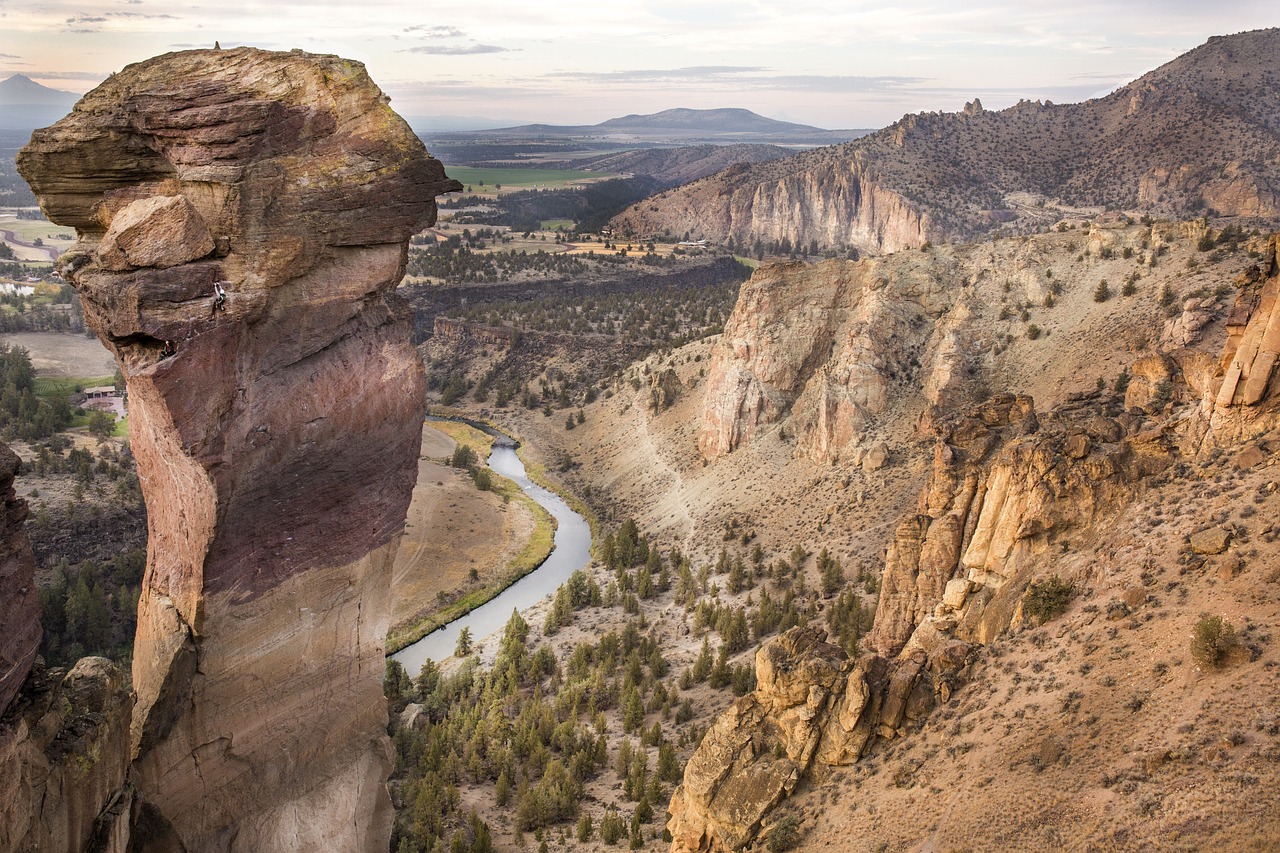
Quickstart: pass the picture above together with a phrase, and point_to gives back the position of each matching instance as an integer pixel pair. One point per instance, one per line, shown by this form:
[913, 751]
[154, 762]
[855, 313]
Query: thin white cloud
[452, 50]
[435, 32]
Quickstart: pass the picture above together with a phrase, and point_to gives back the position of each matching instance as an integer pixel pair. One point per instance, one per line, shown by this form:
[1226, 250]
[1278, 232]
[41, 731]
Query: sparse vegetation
[1212, 640]
[1046, 599]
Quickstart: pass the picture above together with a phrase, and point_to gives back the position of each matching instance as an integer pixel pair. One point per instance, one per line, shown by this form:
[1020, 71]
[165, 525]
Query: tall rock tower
[243, 220]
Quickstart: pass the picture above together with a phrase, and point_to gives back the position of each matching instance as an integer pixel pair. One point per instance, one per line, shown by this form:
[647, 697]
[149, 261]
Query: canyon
[1045, 461]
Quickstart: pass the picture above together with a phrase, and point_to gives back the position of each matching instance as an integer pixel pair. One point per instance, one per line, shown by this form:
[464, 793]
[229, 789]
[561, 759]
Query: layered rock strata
[243, 219]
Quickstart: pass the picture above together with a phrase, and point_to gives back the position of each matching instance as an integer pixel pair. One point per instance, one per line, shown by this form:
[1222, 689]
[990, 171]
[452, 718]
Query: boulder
[1213, 540]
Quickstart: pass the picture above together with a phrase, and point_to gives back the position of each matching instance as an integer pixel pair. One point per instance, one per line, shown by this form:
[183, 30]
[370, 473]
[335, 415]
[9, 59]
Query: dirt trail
[10, 237]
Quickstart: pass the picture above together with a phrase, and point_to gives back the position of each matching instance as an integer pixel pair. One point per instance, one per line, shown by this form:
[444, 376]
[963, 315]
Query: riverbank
[524, 549]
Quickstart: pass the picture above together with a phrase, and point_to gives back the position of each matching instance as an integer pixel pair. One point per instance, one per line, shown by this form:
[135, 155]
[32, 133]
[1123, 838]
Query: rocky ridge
[276, 427]
[835, 351]
[1009, 495]
[1198, 134]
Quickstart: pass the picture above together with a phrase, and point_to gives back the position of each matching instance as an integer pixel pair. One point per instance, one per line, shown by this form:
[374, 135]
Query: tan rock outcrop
[813, 709]
[1243, 398]
[64, 755]
[1006, 485]
[833, 350]
[276, 430]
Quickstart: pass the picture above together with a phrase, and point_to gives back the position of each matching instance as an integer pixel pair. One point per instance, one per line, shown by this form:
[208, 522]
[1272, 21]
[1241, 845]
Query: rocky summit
[243, 218]
[1197, 135]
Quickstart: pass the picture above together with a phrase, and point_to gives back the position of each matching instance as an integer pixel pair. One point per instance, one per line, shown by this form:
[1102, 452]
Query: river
[571, 550]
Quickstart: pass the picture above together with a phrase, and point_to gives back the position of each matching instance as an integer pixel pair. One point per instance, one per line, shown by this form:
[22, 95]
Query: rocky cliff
[844, 356]
[19, 601]
[1198, 134]
[1011, 492]
[243, 218]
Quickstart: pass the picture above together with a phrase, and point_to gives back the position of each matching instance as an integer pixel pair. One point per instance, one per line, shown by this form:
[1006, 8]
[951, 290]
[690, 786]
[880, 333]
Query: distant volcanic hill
[1199, 135]
[26, 105]
[674, 126]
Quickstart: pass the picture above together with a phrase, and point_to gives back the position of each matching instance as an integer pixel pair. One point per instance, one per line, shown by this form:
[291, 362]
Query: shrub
[784, 835]
[1211, 641]
[1046, 599]
[1033, 331]
[1102, 292]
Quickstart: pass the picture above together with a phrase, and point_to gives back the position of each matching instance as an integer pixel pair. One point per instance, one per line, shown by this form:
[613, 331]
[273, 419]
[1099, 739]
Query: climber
[219, 297]
[170, 348]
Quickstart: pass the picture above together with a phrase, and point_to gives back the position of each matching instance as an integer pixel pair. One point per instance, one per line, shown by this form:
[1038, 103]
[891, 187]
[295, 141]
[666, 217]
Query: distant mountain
[21, 90]
[1200, 134]
[705, 121]
[674, 126]
[427, 125]
[26, 105]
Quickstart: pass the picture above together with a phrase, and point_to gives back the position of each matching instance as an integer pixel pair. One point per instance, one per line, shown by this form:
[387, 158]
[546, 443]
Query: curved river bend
[571, 550]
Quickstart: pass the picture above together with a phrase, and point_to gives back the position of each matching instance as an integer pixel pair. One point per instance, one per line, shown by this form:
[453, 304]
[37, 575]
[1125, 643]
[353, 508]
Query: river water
[571, 550]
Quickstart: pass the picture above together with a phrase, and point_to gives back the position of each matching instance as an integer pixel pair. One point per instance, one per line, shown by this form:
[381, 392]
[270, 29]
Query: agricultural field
[481, 180]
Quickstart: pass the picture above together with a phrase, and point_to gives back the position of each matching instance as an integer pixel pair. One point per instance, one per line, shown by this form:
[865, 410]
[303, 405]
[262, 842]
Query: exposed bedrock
[64, 737]
[19, 601]
[276, 429]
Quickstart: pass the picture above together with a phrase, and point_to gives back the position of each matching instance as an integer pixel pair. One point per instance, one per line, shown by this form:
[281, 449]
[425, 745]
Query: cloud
[435, 32]
[692, 72]
[68, 75]
[9, 56]
[447, 50]
[141, 15]
[744, 77]
[86, 19]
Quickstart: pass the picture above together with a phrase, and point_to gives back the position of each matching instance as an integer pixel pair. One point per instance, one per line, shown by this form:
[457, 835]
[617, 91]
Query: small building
[100, 392]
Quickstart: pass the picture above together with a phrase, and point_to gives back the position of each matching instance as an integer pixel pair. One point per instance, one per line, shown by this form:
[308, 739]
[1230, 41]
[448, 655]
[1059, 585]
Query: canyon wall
[243, 219]
[835, 203]
[64, 736]
[848, 356]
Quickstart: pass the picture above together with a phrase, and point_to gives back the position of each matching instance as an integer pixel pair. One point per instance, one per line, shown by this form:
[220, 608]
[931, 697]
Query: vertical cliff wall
[64, 737]
[19, 603]
[243, 219]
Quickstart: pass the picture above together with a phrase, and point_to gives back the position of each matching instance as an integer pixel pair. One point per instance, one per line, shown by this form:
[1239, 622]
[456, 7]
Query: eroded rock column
[243, 219]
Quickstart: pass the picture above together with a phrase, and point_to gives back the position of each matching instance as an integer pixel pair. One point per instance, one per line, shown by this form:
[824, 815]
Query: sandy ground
[452, 528]
[63, 354]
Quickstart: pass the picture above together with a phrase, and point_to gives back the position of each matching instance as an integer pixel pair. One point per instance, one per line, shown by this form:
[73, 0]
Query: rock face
[1243, 397]
[831, 344]
[276, 431]
[813, 709]
[1005, 486]
[19, 601]
[64, 755]
[64, 737]
[1181, 138]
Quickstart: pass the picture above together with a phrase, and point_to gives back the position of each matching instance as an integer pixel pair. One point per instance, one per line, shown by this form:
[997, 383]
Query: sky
[830, 63]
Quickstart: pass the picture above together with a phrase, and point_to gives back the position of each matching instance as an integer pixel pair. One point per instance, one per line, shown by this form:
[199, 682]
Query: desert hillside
[1197, 135]
[1048, 519]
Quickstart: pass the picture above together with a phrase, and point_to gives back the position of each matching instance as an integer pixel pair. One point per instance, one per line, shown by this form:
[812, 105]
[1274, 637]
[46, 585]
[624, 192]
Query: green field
[63, 386]
[30, 229]
[480, 180]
